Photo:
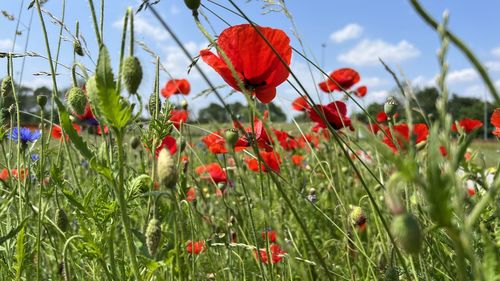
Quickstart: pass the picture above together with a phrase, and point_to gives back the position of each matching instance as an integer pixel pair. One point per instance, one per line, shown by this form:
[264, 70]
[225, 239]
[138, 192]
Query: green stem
[122, 51]
[40, 208]
[94, 19]
[119, 189]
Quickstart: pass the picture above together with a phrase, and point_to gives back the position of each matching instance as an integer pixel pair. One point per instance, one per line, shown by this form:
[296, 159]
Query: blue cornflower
[25, 135]
[35, 157]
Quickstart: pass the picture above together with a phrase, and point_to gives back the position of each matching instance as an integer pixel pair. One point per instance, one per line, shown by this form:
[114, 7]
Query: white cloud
[461, 76]
[144, 27]
[496, 52]
[368, 52]
[422, 81]
[176, 63]
[348, 32]
[476, 91]
[492, 65]
[5, 44]
[373, 82]
[174, 10]
[38, 82]
[379, 95]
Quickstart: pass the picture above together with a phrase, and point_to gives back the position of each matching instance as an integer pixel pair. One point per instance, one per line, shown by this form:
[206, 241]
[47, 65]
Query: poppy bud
[132, 74]
[193, 4]
[6, 86]
[134, 142]
[153, 101]
[62, 220]
[357, 216]
[390, 106]
[181, 143]
[167, 172]
[232, 136]
[76, 100]
[77, 47]
[153, 236]
[406, 230]
[391, 274]
[41, 100]
[184, 104]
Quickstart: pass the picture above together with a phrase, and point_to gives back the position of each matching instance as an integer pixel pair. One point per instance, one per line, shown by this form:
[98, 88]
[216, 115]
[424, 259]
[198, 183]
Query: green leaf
[19, 254]
[75, 138]
[13, 232]
[115, 110]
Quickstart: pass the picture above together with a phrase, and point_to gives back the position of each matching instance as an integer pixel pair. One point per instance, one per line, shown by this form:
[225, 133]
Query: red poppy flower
[271, 235]
[443, 151]
[381, 117]
[169, 143]
[276, 254]
[57, 131]
[311, 139]
[271, 158]
[335, 114]
[178, 116]
[345, 78]
[191, 194]
[254, 61]
[361, 91]
[195, 247]
[300, 104]
[402, 133]
[257, 134]
[495, 121]
[286, 140]
[87, 116]
[468, 125]
[374, 128]
[176, 86]
[4, 175]
[297, 159]
[215, 142]
[213, 172]
[101, 130]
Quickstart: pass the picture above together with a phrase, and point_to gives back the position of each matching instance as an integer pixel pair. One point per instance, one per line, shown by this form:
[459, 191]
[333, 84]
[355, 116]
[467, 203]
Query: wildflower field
[113, 179]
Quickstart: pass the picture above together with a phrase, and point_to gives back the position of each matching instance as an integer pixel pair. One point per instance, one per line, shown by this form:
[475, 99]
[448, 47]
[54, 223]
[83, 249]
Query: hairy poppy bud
[41, 100]
[77, 47]
[134, 142]
[406, 230]
[391, 274]
[76, 100]
[153, 236]
[390, 106]
[167, 172]
[62, 220]
[193, 4]
[153, 101]
[357, 216]
[394, 203]
[232, 136]
[6, 86]
[132, 74]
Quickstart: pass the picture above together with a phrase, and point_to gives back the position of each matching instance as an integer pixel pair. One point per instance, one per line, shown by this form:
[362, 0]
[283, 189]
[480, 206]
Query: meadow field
[114, 179]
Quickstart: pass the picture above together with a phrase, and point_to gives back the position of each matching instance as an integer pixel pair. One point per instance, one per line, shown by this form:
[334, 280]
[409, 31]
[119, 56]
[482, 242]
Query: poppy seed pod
[77, 47]
[153, 236]
[132, 74]
[76, 100]
[41, 100]
[193, 4]
[232, 136]
[6, 86]
[407, 231]
[167, 172]
[62, 220]
[134, 142]
[390, 106]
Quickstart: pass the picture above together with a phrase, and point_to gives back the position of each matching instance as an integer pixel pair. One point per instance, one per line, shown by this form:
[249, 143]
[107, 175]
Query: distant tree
[212, 113]
[216, 113]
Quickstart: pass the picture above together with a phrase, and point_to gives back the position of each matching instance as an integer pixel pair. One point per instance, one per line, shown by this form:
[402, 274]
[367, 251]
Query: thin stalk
[96, 25]
[40, 207]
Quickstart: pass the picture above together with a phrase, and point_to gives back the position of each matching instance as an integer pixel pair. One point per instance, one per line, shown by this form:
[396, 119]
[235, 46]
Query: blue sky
[355, 33]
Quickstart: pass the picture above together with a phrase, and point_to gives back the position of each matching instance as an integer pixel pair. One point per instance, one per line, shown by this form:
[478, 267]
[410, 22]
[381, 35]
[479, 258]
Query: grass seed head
[153, 236]
[62, 220]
